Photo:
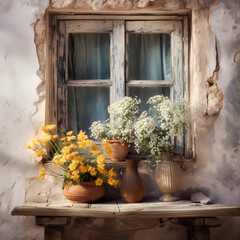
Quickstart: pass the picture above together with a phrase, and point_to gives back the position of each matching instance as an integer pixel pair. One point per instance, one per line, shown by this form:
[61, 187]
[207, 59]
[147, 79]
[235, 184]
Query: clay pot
[168, 177]
[83, 192]
[131, 183]
[119, 150]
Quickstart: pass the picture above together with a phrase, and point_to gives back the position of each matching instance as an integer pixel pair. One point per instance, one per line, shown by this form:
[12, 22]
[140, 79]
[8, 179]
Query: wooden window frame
[59, 26]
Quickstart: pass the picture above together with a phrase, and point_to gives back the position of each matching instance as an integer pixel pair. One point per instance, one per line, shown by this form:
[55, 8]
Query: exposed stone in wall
[214, 93]
[97, 5]
[237, 57]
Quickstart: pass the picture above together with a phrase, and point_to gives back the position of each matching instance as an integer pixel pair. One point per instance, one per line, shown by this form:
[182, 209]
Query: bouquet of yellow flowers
[77, 156]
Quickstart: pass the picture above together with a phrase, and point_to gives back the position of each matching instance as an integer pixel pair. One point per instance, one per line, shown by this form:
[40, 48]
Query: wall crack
[214, 94]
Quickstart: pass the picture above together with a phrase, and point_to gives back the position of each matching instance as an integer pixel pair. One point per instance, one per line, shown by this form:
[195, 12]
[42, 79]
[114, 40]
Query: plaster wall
[215, 72]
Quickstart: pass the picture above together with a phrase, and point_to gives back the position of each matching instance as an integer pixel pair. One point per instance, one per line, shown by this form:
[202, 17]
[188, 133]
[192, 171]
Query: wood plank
[177, 72]
[52, 221]
[137, 210]
[89, 83]
[90, 26]
[149, 26]
[61, 86]
[118, 17]
[51, 70]
[150, 83]
[117, 90]
[137, 11]
[188, 138]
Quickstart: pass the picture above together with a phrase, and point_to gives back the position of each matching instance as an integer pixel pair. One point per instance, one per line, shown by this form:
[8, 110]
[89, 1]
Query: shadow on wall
[232, 139]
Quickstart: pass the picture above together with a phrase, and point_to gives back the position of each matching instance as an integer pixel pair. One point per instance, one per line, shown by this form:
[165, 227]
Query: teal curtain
[88, 58]
[149, 57]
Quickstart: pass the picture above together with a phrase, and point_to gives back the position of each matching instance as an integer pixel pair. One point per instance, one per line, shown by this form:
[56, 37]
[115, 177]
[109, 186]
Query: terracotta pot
[84, 192]
[131, 183]
[119, 150]
[168, 177]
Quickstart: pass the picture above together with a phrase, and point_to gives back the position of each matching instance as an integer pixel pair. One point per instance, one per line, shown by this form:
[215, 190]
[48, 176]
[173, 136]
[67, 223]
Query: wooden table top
[117, 209]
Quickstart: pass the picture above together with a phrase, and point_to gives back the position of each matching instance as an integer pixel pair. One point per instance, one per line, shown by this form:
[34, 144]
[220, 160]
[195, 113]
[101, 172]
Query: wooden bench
[198, 218]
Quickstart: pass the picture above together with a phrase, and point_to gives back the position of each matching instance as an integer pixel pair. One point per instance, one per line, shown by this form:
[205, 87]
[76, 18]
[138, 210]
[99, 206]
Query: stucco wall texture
[22, 101]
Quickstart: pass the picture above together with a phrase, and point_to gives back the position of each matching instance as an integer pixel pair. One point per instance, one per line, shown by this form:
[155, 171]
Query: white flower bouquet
[153, 133]
[120, 126]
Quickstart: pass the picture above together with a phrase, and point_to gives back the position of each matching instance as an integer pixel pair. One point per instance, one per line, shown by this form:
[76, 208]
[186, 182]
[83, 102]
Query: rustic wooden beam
[199, 228]
[53, 226]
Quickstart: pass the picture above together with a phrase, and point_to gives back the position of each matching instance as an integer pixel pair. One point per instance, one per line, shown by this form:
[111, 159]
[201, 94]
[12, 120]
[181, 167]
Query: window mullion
[118, 61]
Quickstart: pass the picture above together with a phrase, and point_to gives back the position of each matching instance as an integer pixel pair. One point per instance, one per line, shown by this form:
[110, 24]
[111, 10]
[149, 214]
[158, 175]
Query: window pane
[146, 92]
[89, 56]
[149, 57]
[85, 105]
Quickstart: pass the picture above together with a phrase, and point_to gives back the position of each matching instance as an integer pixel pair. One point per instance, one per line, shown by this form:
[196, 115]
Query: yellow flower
[94, 149]
[51, 127]
[48, 127]
[44, 129]
[102, 170]
[69, 133]
[78, 159]
[75, 175]
[82, 136]
[54, 137]
[82, 168]
[46, 138]
[73, 165]
[73, 146]
[111, 173]
[66, 150]
[85, 143]
[107, 147]
[42, 173]
[71, 138]
[92, 170]
[28, 146]
[39, 153]
[101, 159]
[99, 182]
[112, 182]
[57, 160]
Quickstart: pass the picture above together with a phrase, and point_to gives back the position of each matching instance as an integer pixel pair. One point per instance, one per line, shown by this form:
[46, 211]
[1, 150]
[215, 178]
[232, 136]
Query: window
[98, 61]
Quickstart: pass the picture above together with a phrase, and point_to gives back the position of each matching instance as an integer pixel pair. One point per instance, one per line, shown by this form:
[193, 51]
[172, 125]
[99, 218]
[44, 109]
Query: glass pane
[145, 93]
[149, 57]
[85, 105]
[89, 56]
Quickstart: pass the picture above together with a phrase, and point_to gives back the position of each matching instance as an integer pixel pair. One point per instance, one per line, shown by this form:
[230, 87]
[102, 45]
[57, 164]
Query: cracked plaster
[219, 148]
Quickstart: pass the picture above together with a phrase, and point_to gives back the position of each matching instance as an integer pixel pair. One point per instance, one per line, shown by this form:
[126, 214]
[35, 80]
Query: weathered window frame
[60, 25]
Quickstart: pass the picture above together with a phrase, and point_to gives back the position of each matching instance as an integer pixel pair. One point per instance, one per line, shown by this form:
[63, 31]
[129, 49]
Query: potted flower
[154, 135]
[81, 162]
[119, 129]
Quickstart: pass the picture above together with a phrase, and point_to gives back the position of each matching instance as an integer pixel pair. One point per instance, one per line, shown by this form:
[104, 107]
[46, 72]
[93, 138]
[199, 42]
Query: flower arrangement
[67, 154]
[120, 125]
[153, 133]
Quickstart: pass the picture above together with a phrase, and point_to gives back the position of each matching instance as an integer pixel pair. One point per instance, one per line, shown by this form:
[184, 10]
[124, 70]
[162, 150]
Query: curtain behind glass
[149, 57]
[89, 56]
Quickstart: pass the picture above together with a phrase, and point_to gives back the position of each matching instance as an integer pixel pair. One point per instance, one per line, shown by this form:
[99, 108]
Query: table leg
[199, 228]
[53, 226]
